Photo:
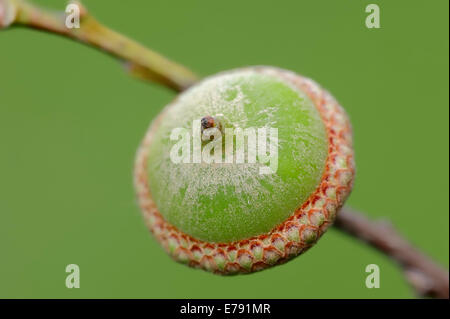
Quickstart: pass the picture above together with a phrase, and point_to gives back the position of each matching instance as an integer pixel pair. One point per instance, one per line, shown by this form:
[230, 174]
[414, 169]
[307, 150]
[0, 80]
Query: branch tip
[145, 63]
[428, 278]
[8, 13]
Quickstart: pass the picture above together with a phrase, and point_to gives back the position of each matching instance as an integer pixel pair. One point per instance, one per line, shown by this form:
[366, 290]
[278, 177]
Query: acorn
[245, 170]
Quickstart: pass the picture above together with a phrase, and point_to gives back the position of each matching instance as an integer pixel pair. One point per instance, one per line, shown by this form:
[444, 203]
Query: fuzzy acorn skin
[292, 236]
[226, 202]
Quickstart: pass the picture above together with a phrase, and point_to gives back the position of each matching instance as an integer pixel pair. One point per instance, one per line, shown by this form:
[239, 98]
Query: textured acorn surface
[224, 202]
[290, 234]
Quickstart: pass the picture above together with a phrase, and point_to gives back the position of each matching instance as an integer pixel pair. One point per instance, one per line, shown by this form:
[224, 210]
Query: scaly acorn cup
[230, 216]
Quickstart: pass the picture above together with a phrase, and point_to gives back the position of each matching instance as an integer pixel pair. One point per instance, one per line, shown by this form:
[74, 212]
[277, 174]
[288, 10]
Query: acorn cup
[266, 162]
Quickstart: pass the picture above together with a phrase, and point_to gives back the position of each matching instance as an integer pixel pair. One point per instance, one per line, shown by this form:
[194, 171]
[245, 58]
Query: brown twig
[427, 278]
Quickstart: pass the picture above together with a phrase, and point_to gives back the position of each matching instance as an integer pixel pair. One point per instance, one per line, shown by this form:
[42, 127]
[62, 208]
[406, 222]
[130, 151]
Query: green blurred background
[71, 120]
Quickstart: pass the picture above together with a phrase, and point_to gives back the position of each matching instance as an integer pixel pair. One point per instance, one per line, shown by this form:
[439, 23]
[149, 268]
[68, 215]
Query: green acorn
[245, 170]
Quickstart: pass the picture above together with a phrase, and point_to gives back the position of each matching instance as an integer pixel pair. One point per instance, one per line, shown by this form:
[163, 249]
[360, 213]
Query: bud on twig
[8, 13]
